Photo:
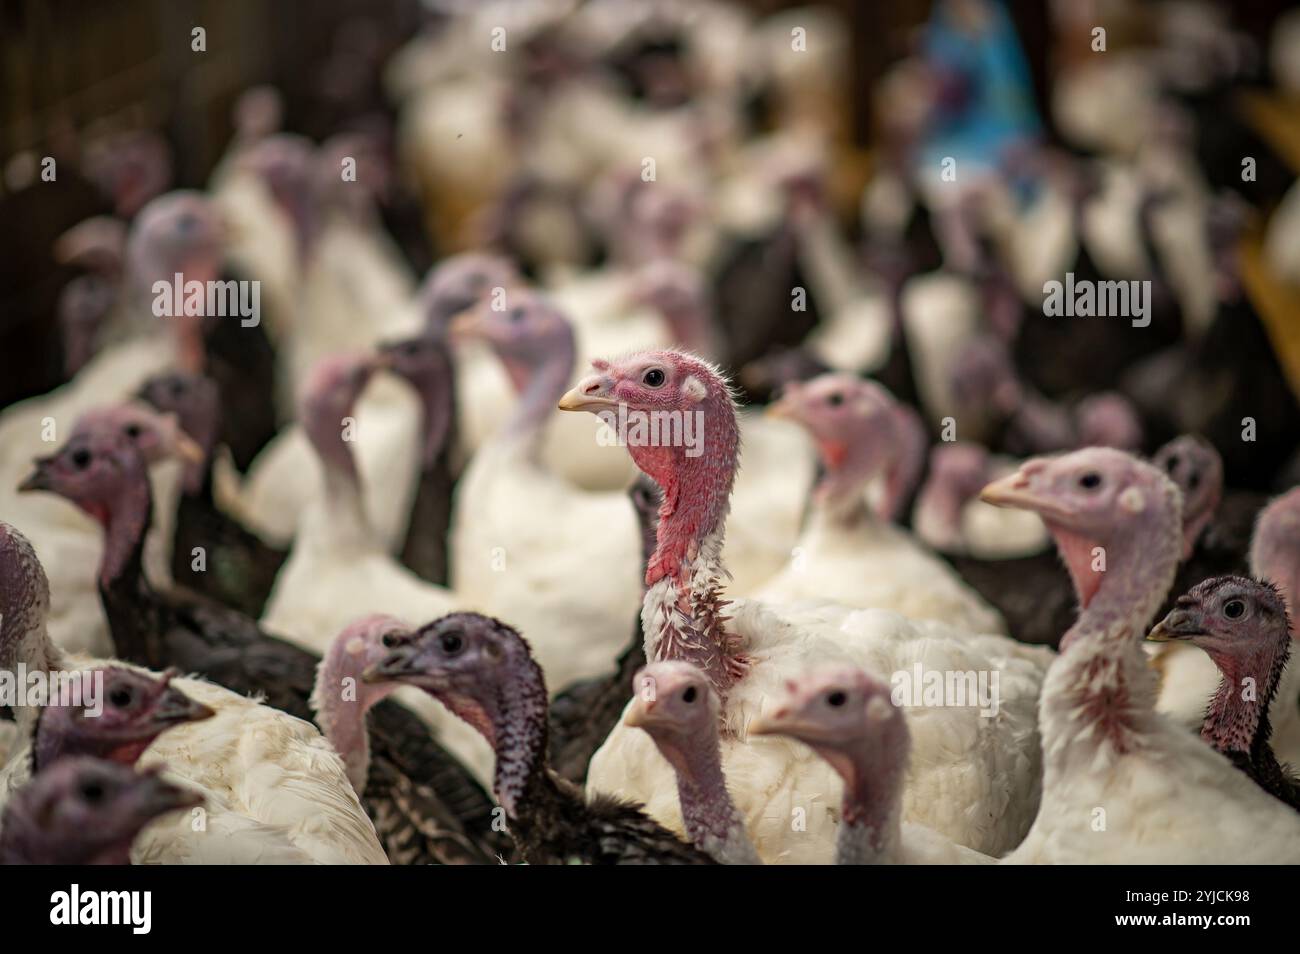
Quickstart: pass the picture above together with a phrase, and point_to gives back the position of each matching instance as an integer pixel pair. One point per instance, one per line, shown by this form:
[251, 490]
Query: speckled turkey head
[524, 335]
[1232, 618]
[24, 602]
[846, 715]
[1096, 498]
[285, 164]
[85, 811]
[117, 723]
[851, 420]
[1275, 546]
[674, 700]
[1196, 467]
[460, 284]
[329, 399]
[469, 662]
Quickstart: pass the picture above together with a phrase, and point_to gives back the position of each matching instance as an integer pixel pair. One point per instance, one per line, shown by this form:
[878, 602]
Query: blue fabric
[993, 106]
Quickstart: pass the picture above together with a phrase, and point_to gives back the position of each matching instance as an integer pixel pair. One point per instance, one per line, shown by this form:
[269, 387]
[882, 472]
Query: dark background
[67, 66]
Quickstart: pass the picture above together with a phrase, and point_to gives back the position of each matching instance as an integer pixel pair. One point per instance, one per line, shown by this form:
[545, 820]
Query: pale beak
[771, 724]
[587, 395]
[1179, 624]
[636, 716]
[1009, 491]
[187, 449]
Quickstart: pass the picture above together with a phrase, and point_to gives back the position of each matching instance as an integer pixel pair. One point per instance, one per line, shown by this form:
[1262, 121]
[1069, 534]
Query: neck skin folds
[1233, 722]
[682, 615]
[712, 822]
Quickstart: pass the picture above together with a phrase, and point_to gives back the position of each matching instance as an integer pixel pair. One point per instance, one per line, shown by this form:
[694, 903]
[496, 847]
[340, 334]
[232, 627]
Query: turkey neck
[1100, 692]
[682, 612]
[513, 719]
[710, 817]
[871, 813]
[437, 391]
[344, 513]
[540, 386]
[125, 518]
[1236, 725]
[344, 720]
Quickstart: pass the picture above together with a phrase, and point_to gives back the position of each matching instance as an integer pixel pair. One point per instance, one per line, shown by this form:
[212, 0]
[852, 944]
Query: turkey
[522, 530]
[242, 567]
[426, 807]
[287, 478]
[674, 703]
[1104, 745]
[848, 718]
[1217, 528]
[338, 567]
[483, 671]
[120, 712]
[1243, 626]
[847, 553]
[751, 650]
[101, 472]
[86, 811]
[72, 540]
[275, 791]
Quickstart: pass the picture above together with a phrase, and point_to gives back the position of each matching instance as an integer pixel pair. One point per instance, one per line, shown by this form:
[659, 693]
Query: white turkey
[748, 649]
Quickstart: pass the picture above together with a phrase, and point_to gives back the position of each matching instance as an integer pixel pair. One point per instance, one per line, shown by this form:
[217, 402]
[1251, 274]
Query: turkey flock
[382, 571]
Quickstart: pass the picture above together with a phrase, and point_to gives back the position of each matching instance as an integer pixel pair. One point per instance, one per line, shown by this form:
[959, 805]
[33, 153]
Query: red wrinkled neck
[696, 490]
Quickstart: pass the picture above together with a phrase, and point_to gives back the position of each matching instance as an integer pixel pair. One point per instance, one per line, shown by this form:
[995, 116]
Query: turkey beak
[1179, 624]
[187, 449]
[176, 708]
[158, 797]
[1016, 490]
[40, 478]
[774, 723]
[590, 394]
[398, 664]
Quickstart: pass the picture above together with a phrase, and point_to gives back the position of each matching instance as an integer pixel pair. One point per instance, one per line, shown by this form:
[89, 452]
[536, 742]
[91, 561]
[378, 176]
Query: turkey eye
[835, 400]
[653, 378]
[451, 643]
[1234, 609]
[517, 314]
[120, 697]
[177, 388]
[689, 694]
[1171, 465]
[837, 698]
[133, 431]
[1193, 481]
[389, 640]
[1090, 480]
[92, 792]
[81, 458]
